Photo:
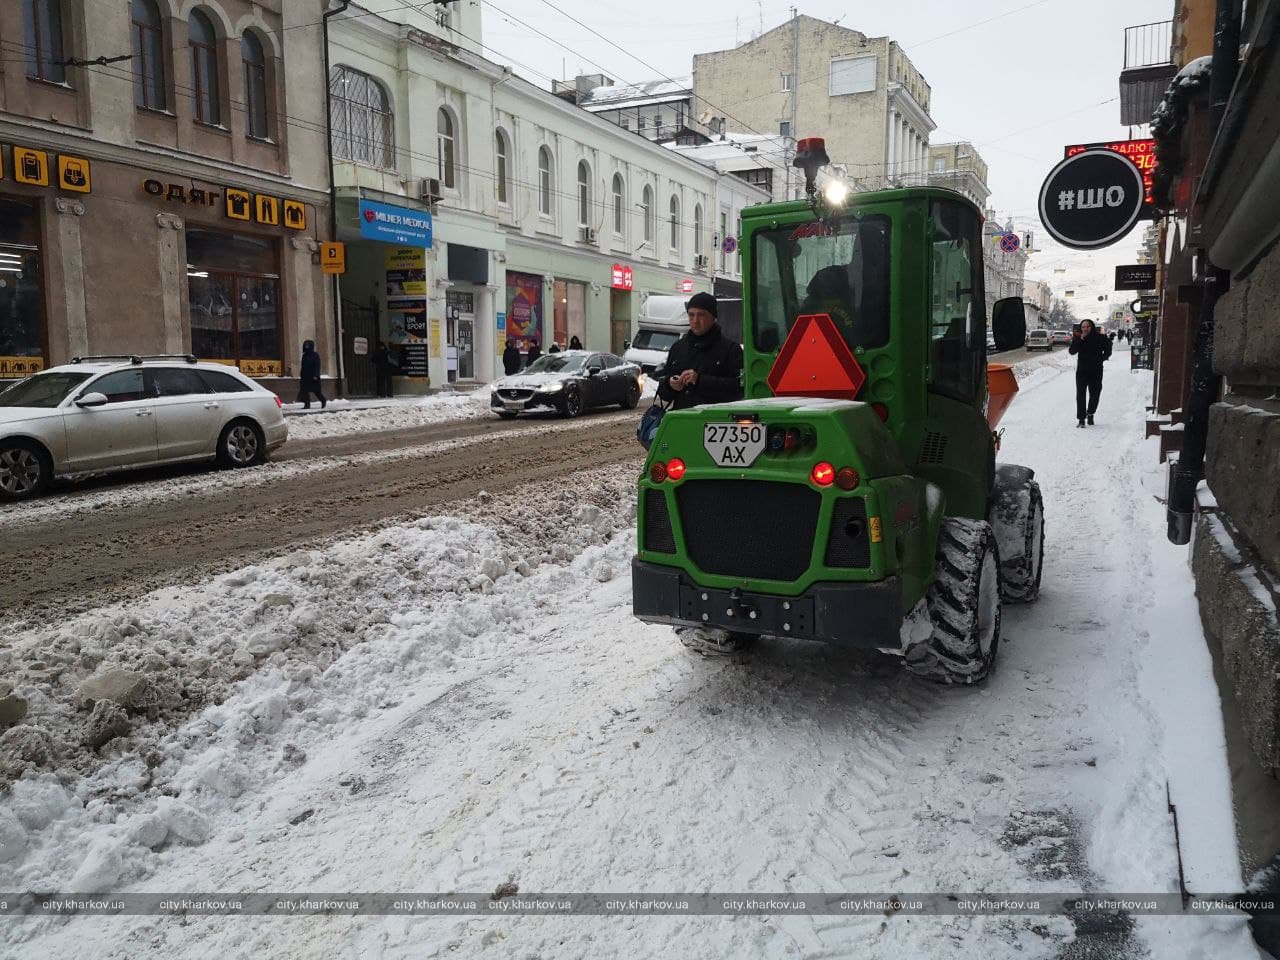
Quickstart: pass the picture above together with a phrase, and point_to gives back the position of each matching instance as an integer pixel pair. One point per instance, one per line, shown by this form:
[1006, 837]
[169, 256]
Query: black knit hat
[703, 301]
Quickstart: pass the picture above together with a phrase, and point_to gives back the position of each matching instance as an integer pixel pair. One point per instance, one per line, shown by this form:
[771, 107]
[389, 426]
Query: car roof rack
[185, 357]
[131, 357]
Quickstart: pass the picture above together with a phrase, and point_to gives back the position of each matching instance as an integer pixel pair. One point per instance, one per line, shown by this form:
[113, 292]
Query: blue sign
[398, 225]
[730, 244]
[502, 321]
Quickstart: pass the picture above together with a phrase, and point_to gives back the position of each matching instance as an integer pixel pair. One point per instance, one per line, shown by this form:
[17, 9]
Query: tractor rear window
[841, 269]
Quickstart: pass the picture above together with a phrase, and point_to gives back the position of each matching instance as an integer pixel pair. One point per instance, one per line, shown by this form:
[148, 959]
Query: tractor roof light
[811, 156]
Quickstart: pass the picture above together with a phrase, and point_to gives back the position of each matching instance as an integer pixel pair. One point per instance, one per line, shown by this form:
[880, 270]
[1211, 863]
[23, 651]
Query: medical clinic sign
[1092, 199]
[1142, 153]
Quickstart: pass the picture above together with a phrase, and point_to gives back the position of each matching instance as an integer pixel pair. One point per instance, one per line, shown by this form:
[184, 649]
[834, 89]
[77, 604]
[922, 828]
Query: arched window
[148, 56]
[204, 68]
[445, 145]
[502, 153]
[697, 229]
[360, 114]
[42, 29]
[255, 86]
[619, 205]
[584, 193]
[675, 223]
[544, 181]
[646, 212]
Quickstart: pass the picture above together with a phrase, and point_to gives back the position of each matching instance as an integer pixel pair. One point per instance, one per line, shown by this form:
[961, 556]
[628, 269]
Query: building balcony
[1148, 70]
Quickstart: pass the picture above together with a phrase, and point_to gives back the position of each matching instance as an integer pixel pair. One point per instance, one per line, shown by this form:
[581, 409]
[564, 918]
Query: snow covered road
[461, 704]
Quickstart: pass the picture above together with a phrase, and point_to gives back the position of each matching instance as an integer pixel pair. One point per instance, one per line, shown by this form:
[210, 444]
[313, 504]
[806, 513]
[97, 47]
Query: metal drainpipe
[333, 187]
[1205, 384]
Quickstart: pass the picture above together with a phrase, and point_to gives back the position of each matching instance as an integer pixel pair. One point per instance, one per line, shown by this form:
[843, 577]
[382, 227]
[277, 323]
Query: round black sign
[1092, 199]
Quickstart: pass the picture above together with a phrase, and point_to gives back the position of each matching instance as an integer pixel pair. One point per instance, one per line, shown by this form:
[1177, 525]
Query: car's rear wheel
[241, 444]
[25, 470]
[573, 405]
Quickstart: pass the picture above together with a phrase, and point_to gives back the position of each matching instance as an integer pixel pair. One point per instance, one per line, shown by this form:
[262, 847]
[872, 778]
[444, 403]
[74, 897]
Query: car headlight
[551, 387]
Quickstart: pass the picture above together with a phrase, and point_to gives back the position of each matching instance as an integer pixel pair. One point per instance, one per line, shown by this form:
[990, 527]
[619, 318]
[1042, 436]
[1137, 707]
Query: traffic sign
[1010, 242]
[815, 361]
[1092, 199]
[729, 245]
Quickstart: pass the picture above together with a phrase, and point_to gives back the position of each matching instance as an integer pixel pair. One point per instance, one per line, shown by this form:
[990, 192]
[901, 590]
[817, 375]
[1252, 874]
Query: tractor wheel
[964, 605]
[714, 643]
[1017, 517]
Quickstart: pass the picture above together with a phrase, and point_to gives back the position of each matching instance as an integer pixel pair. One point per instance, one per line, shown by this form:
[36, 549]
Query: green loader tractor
[853, 496]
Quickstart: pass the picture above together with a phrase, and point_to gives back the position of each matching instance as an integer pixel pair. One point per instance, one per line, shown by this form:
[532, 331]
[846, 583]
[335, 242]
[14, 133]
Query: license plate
[733, 444]
[514, 404]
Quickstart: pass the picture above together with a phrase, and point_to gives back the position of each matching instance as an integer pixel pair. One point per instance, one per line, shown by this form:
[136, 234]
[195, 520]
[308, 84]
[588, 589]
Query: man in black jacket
[1091, 350]
[703, 366]
[511, 358]
[309, 376]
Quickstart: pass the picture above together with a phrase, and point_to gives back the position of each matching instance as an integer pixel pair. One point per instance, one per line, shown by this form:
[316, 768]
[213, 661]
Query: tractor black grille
[657, 523]
[748, 528]
[935, 447]
[849, 544]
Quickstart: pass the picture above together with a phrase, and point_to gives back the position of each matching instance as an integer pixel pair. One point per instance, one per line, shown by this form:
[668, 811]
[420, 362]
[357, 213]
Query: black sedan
[568, 382]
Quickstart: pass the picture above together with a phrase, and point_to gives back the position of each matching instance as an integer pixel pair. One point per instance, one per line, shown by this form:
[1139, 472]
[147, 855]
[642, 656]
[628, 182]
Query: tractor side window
[956, 316]
[840, 269]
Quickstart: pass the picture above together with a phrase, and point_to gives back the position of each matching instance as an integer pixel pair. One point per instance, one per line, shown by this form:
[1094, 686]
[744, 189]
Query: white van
[662, 321]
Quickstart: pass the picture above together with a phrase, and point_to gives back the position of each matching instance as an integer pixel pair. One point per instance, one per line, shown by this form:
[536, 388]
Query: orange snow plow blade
[1001, 386]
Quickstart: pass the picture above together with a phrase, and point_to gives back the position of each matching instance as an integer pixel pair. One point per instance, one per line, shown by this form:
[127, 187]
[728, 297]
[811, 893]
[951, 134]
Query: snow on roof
[639, 94]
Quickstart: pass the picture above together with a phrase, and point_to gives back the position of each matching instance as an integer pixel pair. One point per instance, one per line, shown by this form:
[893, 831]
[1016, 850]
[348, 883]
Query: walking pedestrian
[382, 367]
[511, 358]
[575, 343]
[534, 353]
[554, 348]
[309, 376]
[1091, 349]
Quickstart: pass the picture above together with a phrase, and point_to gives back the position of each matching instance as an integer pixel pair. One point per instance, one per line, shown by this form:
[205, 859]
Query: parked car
[1059, 336]
[99, 414]
[569, 382]
[1039, 340]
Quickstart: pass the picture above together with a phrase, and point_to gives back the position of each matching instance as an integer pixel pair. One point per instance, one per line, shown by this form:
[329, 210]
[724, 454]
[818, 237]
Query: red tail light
[675, 468]
[881, 411]
[658, 471]
[279, 404]
[823, 474]
[847, 478]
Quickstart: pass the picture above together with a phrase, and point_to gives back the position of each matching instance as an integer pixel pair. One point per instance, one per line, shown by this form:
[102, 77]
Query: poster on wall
[406, 272]
[413, 359]
[407, 319]
[524, 308]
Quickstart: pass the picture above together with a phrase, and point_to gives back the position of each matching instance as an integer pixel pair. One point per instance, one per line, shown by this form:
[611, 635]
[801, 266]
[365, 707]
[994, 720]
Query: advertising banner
[524, 308]
[406, 271]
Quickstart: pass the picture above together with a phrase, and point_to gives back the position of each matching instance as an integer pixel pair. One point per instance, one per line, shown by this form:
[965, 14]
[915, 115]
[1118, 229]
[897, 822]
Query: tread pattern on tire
[951, 653]
[1016, 502]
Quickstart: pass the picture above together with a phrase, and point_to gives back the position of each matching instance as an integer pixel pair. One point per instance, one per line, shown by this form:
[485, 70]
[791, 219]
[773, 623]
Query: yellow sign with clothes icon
[295, 215]
[73, 174]
[239, 204]
[31, 166]
[266, 210]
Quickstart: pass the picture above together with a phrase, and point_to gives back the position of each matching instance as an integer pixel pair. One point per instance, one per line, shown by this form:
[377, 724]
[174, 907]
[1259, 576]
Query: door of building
[460, 309]
[359, 339]
[619, 320]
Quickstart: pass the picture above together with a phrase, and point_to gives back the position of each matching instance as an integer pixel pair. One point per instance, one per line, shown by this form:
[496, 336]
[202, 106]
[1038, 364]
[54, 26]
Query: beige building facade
[810, 78]
[168, 203]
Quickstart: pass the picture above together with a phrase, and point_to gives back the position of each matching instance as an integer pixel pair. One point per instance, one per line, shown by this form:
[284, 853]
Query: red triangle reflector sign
[815, 361]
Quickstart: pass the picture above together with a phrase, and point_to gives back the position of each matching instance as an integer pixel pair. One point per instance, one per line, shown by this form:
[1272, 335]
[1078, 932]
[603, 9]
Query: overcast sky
[1019, 78]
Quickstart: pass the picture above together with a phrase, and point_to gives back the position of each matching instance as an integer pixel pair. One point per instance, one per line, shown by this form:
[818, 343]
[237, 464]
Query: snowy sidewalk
[457, 705]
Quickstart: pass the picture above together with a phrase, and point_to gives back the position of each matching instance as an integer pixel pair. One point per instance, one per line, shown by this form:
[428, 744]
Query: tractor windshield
[841, 269]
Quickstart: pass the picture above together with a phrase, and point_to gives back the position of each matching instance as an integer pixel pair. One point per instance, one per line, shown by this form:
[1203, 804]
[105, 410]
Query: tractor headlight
[836, 192]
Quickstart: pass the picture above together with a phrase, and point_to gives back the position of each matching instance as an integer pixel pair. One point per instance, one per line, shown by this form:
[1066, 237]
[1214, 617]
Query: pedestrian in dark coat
[575, 343]
[1091, 350]
[511, 358]
[554, 348]
[382, 367]
[309, 376]
[534, 354]
[703, 366]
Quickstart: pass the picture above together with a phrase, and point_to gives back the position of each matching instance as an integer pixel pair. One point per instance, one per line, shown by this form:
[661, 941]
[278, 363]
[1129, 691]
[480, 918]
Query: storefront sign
[437, 346]
[73, 174]
[1091, 200]
[1143, 154]
[333, 258]
[237, 204]
[413, 360]
[1136, 276]
[686, 285]
[1147, 304]
[623, 277]
[15, 368]
[406, 271]
[390, 224]
[31, 166]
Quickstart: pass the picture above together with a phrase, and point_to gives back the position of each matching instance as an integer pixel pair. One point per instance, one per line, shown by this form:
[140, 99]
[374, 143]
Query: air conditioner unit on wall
[588, 235]
[430, 190]
[701, 260]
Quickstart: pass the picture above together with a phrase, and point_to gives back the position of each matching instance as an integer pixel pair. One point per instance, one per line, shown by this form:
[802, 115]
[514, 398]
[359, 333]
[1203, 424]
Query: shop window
[148, 56]
[647, 213]
[584, 194]
[204, 68]
[21, 304]
[255, 86]
[42, 29]
[674, 223]
[619, 206]
[445, 146]
[502, 151]
[234, 295]
[360, 115]
[544, 181]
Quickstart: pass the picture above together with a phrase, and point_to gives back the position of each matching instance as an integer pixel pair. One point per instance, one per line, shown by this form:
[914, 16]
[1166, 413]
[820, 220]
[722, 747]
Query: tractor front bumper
[851, 614]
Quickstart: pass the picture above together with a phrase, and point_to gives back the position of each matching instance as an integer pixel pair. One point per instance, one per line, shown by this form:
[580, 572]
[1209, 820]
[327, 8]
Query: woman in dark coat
[511, 358]
[534, 353]
[309, 376]
[575, 343]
